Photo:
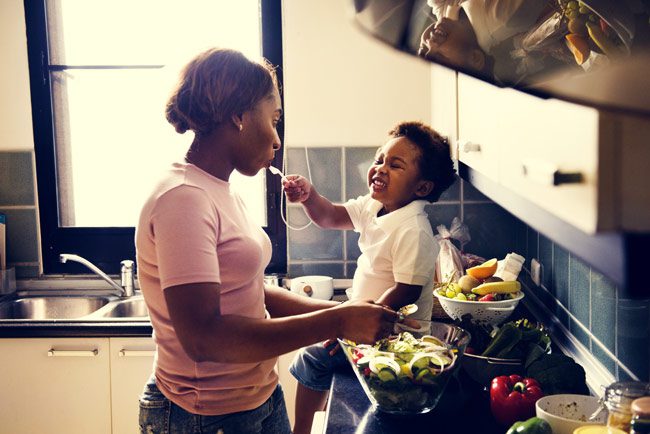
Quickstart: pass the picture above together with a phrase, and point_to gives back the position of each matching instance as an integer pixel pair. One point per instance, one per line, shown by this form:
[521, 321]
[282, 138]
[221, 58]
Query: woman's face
[394, 176]
[259, 135]
[447, 41]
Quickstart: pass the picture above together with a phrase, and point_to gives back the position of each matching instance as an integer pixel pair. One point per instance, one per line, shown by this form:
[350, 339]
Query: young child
[398, 249]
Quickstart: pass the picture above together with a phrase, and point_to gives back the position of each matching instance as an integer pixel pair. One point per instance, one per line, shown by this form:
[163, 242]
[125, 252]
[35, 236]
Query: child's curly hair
[435, 160]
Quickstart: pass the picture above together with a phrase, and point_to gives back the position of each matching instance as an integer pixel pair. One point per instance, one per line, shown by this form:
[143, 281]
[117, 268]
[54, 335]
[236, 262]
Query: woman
[201, 261]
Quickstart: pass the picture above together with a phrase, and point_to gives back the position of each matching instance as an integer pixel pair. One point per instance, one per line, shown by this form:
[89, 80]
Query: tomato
[488, 297]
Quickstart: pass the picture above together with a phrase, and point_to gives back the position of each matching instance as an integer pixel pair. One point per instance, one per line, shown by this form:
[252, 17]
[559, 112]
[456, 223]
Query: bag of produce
[449, 265]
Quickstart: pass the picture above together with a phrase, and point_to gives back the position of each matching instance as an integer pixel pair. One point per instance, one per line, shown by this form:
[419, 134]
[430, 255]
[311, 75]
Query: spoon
[405, 311]
[274, 170]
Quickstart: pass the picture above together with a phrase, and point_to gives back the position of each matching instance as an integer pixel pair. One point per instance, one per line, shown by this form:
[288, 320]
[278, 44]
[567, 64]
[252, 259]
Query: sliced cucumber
[386, 374]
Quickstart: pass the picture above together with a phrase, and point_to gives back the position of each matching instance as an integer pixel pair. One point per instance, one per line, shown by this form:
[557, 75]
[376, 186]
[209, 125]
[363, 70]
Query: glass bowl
[407, 373]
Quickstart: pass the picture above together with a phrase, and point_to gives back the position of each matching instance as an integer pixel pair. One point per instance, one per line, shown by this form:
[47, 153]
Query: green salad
[402, 373]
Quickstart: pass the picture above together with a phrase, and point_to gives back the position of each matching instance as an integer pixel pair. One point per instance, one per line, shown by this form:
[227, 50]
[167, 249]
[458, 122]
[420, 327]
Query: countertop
[74, 329]
[463, 408]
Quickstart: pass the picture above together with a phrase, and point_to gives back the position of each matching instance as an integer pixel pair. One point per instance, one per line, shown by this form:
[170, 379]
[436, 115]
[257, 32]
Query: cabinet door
[288, 382]
[131, 366]
[550, 156]
[479, 125]
[54, 386]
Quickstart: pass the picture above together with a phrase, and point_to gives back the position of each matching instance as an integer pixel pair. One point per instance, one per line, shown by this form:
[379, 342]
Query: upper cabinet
[594, 52]
[565, 158]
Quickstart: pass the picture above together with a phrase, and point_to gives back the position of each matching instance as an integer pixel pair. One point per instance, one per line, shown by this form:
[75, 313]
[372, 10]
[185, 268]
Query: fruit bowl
[408, 372]
[485, 312]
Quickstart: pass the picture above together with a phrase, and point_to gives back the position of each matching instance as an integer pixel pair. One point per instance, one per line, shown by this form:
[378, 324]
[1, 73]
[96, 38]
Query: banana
[497, 287]
[600, 38]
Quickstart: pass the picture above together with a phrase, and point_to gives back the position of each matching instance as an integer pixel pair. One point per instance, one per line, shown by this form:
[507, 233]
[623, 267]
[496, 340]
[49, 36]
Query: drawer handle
[72, 353]
[137, 353]
[545, 173]
[471, 147]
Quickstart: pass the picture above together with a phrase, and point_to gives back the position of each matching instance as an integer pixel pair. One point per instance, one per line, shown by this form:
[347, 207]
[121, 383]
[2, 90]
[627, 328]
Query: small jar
[640, 423]
[597, 429]
[618, 399]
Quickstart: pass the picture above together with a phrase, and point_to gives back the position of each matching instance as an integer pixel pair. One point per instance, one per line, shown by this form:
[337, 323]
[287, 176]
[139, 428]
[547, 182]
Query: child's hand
[331, 342]
[297, 188]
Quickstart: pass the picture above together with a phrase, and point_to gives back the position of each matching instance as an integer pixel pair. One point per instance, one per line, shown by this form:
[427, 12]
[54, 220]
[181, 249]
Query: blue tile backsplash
[18, 203]
[615, 330]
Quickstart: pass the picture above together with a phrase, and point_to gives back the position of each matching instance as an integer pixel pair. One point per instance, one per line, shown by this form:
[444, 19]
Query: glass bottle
[618, 399]
[640, 423]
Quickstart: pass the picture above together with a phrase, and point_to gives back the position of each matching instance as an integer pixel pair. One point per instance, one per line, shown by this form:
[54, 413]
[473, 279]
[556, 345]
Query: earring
[241, 127]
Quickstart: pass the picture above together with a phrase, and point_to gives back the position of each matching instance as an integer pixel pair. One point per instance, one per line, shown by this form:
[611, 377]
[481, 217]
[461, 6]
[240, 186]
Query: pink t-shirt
[193, 229]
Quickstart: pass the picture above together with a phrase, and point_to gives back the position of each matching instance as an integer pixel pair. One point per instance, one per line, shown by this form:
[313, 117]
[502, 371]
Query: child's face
[394, 177]
[450, 42]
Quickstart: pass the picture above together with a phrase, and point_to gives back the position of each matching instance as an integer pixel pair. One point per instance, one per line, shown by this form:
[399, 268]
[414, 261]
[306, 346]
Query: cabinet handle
[471, 147]
[137, 353]
[72, 353]
[546, 173]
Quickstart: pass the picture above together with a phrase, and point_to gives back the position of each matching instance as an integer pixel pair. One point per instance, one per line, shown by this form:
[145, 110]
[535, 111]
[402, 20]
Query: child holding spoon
[398, 249]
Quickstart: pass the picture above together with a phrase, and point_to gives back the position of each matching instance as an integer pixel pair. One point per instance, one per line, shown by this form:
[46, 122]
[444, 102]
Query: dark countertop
[463, 408]
[74, 329]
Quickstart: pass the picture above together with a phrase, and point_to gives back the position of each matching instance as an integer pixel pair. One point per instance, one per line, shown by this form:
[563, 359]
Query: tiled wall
[18, 203]
[616, 330]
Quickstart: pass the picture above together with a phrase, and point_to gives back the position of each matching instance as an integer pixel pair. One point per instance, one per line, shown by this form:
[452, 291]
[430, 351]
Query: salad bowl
[408, 372]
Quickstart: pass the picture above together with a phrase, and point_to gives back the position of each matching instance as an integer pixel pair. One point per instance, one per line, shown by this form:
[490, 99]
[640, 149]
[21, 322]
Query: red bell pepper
[512, 398]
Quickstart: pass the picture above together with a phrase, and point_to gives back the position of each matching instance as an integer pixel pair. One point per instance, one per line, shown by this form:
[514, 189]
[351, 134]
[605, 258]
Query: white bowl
[485, 312]
[566, 412]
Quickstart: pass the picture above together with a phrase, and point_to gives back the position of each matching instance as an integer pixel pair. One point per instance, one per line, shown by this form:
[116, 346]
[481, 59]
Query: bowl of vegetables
[408, 372]
[503, 350]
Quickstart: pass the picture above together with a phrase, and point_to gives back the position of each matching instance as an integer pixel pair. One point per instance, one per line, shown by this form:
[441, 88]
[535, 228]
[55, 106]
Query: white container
[320, 287]
[566, 412]
[508, 269]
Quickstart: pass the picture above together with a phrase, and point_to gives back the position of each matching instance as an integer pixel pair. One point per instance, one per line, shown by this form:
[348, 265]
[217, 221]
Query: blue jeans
[314, 368]
[158, 415]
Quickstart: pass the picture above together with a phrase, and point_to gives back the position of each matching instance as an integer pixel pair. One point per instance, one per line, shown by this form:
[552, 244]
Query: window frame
[107, 246]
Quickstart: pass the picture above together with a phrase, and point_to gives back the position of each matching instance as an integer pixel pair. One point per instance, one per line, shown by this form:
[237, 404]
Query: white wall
[343, 88]
[15, 105]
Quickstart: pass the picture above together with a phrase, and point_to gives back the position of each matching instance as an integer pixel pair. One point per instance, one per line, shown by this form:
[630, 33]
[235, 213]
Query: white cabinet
[73, 385]
[131, 365]
[480, 129]
[582, 165]
[288, 382]
[55, 386]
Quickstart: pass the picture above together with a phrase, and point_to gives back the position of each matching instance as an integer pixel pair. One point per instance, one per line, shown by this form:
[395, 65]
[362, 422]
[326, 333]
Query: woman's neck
[211, 157]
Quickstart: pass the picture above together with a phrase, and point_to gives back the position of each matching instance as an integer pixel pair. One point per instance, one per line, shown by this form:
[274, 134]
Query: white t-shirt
[396, 247]
[493, 21]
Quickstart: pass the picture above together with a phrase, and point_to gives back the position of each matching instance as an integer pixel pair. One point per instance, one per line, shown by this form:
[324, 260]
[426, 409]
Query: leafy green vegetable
[558, 373]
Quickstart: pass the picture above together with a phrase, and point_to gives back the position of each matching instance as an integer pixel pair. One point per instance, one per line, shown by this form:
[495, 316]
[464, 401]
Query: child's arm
[400, 295]
[319, 209]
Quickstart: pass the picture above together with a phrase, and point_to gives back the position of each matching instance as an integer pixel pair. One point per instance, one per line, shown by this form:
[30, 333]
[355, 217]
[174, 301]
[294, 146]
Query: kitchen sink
[129, 308]
[51, 307]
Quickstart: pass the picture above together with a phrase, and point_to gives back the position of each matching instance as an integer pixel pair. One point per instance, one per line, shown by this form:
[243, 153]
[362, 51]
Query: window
[100, 74]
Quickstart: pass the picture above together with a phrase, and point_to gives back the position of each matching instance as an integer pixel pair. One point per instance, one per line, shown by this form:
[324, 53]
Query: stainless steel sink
[129, 308]
[51, 307]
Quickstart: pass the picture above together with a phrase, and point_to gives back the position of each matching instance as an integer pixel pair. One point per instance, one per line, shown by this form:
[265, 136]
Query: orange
[483, 271]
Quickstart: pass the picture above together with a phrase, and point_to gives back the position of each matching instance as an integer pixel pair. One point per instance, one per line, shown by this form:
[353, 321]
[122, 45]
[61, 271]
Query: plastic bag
[449, 265]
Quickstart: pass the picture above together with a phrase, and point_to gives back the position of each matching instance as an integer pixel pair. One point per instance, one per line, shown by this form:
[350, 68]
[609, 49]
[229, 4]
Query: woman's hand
[297, 188]
[365, 322]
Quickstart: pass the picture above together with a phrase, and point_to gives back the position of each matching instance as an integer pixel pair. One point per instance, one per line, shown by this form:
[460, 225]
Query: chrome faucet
[127, 288]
